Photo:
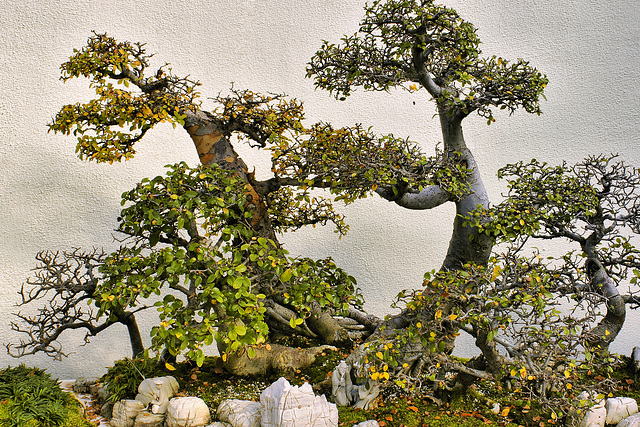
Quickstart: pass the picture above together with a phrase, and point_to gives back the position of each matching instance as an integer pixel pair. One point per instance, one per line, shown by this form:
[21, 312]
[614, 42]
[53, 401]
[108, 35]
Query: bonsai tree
[506, 300]
[210, 232]
[421, 46]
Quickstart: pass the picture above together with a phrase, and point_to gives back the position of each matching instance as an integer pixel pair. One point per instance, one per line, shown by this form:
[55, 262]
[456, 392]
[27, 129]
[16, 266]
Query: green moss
[416, 413]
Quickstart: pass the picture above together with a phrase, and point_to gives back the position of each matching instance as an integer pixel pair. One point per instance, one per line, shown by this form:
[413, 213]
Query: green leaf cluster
[220, 288]
[418, 44]
[127, 103]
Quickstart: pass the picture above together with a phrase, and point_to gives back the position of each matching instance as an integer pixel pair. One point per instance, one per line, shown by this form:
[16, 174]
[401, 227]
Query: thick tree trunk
[129, 320]
[466, 244]
[609, 327]
[213, 146]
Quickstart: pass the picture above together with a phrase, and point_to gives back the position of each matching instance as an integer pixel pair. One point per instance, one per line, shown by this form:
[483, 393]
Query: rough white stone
[595, 416]
[147, 419]
[619, 408]
[125, 412]
[632, 421]
[157, 392]
[284, 405]
[370, 423]
[187, 412]
[219, 424]
[240, 413]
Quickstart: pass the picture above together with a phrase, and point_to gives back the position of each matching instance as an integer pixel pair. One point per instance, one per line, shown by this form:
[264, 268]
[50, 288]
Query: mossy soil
[396, 408]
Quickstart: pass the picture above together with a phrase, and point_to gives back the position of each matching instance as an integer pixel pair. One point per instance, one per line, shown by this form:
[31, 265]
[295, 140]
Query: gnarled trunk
[466, 244]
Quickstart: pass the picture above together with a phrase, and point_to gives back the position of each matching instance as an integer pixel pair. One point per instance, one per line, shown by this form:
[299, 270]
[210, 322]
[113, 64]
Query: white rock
[219, 424]
[370, 423]
[157, 392]
[125, 412]
[619, 408]
[595, 416]
[147, 419]
[632, 421]
[187, 412]
[240, 413]
[284, 405]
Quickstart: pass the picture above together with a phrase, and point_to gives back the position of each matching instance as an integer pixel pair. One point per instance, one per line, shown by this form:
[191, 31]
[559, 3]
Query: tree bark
[129, 320]
[213, 146]
[609, 327]
[466, 244]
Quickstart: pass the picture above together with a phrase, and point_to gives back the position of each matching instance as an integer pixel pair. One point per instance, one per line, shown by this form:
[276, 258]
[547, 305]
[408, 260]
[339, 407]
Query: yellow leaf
[379, 355]
[374, 187]
[453, 317]
[505, 412]
[569, 386]
[496, 273]
[567, 374]
[169, 366]
[523, 372]
[418, 325]
[438, 314]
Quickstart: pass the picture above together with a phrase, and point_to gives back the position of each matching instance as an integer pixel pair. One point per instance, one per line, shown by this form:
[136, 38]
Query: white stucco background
[49, 199]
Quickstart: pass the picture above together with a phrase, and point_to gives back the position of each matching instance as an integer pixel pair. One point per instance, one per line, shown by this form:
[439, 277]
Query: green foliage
[124, 377]
[29, 397]
[421, 45]
[353, 161]
[540, 196]
[107, 127]
[224, 283]
[511, 304]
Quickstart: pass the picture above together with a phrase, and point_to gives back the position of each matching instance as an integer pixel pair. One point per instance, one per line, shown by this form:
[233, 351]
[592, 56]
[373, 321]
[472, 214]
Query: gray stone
[187, 412]
[106, 410]
[219, 424]
[240, 413]
[157, 392]
[147, 419]
[619, 408]
[632, 421]
[370, 423]
[345, 393]
[125, 412]
[284, 405]
[82, 385]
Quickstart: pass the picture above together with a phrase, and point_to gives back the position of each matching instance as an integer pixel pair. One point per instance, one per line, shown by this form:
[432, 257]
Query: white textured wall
[589, 49]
